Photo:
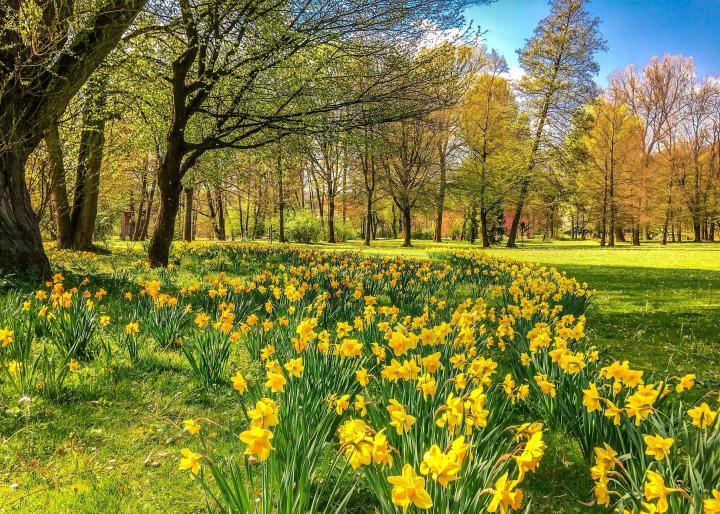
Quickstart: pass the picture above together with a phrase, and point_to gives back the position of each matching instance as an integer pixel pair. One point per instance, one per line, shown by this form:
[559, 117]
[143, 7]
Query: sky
[635, 30]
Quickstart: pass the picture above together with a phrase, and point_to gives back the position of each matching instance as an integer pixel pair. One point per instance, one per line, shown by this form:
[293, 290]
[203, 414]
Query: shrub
[304, 227]
[421, 234]
[345, 230]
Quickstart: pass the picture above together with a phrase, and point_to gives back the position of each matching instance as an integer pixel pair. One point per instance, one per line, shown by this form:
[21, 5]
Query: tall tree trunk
[613, 207]
[137, 229]
[472, 237]
[344, 190]
[512, 236]
[211, 211]
[240, 214]
[148, 212]
[87, 185]
[484, 229]
[331, 214]
[221, 230]
[368, 218]
[440, 200]
[27, 108]
[525, 184]
[620, 234]
[169, 183]
[58, 187]
[247, 216]
[407, 226]
[281, 200]
[21, 248]
[697, 232]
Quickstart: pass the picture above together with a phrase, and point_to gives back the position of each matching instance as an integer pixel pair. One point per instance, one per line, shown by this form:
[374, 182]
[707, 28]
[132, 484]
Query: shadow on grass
[664, 320]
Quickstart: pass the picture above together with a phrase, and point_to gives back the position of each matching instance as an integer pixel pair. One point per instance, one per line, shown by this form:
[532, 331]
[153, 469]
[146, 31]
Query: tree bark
[281, 200]
[169, 183]
[29, 106]
[221, 230]
[407, 228]
[368, 219]
[331, 216]
[440, 200]
[187, 224]
[148, 212]
[87, 185]
[137, 229]
[58, 187]
[21, 249]
[484, 228]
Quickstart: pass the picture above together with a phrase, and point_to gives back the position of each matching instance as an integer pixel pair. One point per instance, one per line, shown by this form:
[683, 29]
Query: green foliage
[303, 227]
[72, 327]
[345, 230]
[207, 351]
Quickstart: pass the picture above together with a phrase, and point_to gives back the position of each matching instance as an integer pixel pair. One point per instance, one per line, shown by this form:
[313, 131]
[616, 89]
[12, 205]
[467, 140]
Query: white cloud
[514, 73]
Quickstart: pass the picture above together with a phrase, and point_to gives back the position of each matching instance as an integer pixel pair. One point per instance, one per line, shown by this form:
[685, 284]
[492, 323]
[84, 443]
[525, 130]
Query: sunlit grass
[113, 447]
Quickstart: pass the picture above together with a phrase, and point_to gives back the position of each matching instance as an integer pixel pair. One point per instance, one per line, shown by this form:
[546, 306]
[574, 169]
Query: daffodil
[592, 398]
[441, 467]
[362, 377]
[6, 336]
[712, 505]
[702, 416]
[264, 414]
[192, 426]
[190, 461]
[505, 495]
[258, 441]
[399, 418]
[341, 403]
[409, 489]
[295, 367]
[239, 383]
[686, 383]
[275, 382]
[655, 489]
[658, 446]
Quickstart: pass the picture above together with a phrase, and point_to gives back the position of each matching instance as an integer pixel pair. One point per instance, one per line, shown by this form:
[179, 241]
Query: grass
[657, 306]
[113, 446]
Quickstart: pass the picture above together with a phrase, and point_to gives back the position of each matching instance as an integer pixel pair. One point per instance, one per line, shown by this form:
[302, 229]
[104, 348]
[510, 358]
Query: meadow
[658, 306]
[163, 386]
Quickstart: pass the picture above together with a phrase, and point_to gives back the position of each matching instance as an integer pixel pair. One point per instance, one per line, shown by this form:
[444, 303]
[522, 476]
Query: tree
[559, 65]
[409, 168]
[698, 126]
[243, 74]
[459, 64]
[656, 97]
[613, 144]
[492, 131]
[328, 156]
[48, 53]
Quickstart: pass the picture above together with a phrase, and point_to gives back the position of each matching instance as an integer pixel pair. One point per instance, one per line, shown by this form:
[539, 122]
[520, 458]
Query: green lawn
[113, 446]
[656, 306]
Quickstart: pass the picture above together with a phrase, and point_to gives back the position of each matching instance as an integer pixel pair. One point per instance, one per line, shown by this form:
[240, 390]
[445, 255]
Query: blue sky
[634, 29]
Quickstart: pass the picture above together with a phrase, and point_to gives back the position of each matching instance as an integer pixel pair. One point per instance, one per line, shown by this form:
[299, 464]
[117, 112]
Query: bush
[304, 227]
[345, 230]
[425, 235]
